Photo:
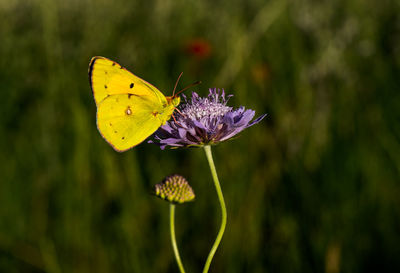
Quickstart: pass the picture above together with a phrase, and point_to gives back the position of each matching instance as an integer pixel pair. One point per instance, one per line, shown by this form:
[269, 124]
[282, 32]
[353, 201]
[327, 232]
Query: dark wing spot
[105, 72]
[115, 132]
[131, 85]
[113, 64]
[155, 113]
[110, 124]
[105, 86]
[123, 138]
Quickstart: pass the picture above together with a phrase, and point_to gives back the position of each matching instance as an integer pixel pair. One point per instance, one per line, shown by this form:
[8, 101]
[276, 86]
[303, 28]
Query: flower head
[174, 189]
[204, 121]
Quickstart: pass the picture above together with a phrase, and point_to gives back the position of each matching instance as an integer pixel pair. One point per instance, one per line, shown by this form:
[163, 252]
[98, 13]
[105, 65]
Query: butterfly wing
[126, 120]
[129, 109]
[107, 78]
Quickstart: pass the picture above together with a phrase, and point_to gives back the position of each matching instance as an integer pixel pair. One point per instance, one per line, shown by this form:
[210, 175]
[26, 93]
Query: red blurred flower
[198, 48]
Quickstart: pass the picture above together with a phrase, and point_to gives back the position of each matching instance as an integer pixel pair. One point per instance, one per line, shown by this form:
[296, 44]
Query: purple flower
[204, 121]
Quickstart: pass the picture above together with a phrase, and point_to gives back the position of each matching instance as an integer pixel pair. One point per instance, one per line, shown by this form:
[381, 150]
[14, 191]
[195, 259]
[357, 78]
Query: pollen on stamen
[205, 108]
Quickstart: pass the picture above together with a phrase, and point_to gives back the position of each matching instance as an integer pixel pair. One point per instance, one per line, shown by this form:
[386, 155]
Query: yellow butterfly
[129, 109]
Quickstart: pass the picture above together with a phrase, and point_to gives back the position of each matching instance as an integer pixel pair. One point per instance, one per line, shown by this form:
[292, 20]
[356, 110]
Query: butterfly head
[174, 100]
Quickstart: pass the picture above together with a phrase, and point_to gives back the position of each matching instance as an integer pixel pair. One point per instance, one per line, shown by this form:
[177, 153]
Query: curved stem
[173, 239]
[207, 149]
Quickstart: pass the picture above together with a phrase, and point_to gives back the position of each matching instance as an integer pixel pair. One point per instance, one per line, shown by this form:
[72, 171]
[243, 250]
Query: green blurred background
[315, 187]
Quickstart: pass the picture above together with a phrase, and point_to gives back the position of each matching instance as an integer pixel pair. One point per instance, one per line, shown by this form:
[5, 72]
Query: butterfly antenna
[176, 84]
[187, 87]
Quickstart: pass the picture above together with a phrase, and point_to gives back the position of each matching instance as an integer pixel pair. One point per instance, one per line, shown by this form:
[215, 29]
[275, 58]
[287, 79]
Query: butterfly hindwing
[126, 120]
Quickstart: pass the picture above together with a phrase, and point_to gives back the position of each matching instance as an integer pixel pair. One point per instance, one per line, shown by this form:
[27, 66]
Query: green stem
[207, 149]
[173, 239]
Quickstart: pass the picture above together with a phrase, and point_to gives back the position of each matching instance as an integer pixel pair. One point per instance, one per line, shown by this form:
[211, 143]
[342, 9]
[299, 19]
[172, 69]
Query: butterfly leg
[176, 120]
[182, 114]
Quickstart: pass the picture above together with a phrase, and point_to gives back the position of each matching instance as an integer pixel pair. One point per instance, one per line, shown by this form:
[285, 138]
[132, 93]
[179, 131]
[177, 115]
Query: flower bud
[174, 189]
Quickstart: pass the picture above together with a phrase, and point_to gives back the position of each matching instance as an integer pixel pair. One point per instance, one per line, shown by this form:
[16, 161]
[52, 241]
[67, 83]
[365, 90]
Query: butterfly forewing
[109, 78]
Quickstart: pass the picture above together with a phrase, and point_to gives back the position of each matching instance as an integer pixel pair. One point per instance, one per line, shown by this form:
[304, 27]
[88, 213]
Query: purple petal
[199, 124]
[182, 133]
[229, 119]
[167, 127]
[170, 141]
[191, 130]
[246, 117]
[171, 145]
[232, 133]
[257, 120]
